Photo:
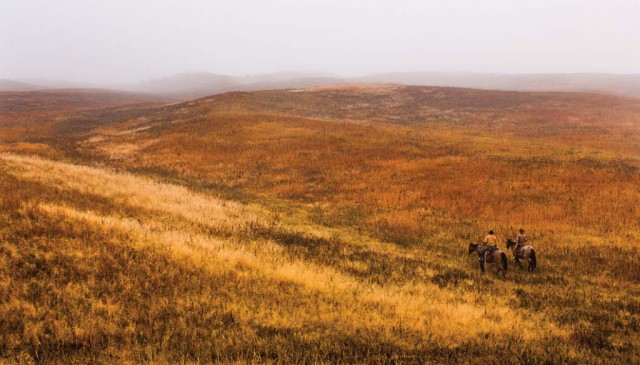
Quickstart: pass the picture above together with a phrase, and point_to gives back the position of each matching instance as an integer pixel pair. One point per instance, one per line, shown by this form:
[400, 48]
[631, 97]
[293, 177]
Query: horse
[525, 252]
[491, 255]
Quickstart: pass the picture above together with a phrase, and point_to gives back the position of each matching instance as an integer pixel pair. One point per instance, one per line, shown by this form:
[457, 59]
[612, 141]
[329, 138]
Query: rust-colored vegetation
[322, 225]
[35, 116]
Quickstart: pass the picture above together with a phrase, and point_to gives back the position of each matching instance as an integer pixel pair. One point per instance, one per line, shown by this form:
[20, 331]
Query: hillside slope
[30, 116]
[324, 225]
[11, 85]
[617, 84]
[98, 264]
[198, 84]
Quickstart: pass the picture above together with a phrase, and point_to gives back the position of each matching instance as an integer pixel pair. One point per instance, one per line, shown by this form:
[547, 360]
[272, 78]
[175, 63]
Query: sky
[119, 41]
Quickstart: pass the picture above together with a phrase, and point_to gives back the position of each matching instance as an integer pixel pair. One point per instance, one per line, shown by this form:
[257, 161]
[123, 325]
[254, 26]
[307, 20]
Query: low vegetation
[323, 225]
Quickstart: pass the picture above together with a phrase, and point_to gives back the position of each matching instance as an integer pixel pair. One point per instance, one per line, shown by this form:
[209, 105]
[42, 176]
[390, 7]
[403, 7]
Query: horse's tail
[534, 260]
[504, 261]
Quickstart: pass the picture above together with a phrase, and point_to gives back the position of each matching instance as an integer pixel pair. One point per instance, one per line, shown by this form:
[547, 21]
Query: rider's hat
[491, 231]
[521, 230]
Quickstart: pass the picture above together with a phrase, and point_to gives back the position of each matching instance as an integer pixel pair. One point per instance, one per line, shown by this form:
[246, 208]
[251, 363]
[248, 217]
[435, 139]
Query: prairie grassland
[326, 225]
[228, 242]
[36, 116]
[558, 163]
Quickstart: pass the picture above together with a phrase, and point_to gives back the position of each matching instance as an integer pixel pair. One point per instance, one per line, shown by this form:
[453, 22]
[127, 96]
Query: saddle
[519, 249]
[490, 249]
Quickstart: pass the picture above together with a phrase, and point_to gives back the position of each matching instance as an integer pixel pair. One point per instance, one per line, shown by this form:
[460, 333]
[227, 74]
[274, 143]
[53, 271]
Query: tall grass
[350, 243]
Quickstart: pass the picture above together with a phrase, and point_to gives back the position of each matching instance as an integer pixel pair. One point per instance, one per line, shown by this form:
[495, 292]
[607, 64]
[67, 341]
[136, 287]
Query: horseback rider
[489, 240]
[521, 239]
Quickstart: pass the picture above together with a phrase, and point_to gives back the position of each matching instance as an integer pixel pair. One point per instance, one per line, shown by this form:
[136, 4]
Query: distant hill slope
[189, 83]
[198, 84]
[69, 99]
[204, 83]
[11, 85]
[195, 84]
[628, 85]
[38, 114]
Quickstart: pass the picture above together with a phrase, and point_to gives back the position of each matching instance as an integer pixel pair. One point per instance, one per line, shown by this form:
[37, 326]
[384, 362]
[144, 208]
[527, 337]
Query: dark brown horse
[523, 252]
[491, 255]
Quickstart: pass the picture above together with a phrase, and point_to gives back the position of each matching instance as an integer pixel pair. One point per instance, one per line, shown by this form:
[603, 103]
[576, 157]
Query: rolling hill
[37, 114]
[195, 84]
[626, 85]
[11, 85]
[327, 224]
[203, 83]
[198, 84]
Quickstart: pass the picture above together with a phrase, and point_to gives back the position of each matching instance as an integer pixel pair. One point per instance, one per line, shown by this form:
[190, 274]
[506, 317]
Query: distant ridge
[198, 84]
[618, 84]
[11, 85]
[204, 83]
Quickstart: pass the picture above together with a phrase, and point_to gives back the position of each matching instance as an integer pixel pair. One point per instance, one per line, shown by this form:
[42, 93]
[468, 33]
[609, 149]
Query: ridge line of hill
[197, 84]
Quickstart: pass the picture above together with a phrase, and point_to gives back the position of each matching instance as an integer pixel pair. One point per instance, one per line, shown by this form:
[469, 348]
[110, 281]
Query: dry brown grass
[35, 116]
[551, 164]
[346, 240]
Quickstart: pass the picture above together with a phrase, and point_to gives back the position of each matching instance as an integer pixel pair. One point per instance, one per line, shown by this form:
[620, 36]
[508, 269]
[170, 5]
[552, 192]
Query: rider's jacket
[490, 240]
[521, 239]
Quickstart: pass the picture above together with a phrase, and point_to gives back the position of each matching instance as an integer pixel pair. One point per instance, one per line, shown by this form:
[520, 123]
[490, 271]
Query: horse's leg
[518, 262]
[500, 269]
[498, 263]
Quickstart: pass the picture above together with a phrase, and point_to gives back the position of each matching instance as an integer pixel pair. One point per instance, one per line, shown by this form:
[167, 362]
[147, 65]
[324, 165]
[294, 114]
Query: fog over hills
[197, 84]
[17, 85]
[619, 84]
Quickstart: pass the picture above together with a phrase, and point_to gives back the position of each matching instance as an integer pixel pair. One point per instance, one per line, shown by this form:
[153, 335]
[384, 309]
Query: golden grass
[424, 309]
[328, 225]
[414, 301]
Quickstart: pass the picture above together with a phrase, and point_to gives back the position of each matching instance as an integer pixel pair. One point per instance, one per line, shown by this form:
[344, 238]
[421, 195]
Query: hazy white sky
[130, 40]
